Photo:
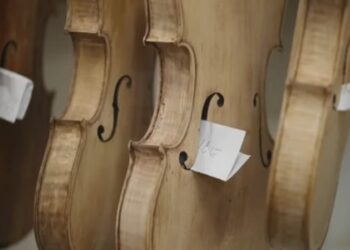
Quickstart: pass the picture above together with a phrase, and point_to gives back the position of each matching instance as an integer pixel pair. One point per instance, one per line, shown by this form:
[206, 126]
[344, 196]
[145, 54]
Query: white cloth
[15, 95]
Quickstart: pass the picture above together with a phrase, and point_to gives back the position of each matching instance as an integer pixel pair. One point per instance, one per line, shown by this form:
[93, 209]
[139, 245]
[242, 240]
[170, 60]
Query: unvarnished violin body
[22, 145]
[111, 102]
[208, 50]
[312, 134]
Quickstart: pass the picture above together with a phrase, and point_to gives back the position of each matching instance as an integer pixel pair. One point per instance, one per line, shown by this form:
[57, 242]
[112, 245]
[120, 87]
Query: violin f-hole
[101, 129]
[5, 50]
[183, 156]
[266, 162]
[220, 103]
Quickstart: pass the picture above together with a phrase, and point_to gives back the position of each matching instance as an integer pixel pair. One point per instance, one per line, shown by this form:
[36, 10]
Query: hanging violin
[111, 102]
[22, 145]
[213, 63]
[312, 133]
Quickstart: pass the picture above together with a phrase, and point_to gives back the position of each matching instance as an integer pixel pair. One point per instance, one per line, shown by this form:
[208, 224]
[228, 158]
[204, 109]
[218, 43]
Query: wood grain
[81, 176]
[204, 47]
[311, 135]
[22, 144]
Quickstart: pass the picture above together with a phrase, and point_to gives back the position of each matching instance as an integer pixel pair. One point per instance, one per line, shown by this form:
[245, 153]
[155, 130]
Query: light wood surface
[81, 176]
[204, 47]
[22, 145]
[312, 135]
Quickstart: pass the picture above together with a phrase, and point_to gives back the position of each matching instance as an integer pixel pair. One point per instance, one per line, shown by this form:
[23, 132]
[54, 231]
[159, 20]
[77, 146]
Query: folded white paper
[15, 95]
[219, 151]
[344, 99]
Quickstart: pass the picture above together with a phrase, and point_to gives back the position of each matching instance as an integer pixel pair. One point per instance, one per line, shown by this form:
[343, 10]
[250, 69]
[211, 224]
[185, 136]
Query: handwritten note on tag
[344, 100]
[15, 95]
[219, 151]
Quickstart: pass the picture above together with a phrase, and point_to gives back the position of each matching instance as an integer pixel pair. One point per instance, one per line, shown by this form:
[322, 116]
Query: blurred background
[58, 65]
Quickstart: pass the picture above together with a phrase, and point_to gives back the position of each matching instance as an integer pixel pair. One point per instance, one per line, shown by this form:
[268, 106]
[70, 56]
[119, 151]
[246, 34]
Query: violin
[111, 102]
[22, 144]
[213, 62]
[312, 133]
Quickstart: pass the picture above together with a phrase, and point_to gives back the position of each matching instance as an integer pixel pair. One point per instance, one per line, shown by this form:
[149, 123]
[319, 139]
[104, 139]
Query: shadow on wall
[58, 61]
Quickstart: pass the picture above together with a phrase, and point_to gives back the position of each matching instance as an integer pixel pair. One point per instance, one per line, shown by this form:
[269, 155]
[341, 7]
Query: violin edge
[290, 205]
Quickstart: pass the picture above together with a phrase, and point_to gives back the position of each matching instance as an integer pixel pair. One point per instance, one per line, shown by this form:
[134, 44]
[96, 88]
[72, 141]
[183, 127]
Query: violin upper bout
[84, 16]
[164, 21]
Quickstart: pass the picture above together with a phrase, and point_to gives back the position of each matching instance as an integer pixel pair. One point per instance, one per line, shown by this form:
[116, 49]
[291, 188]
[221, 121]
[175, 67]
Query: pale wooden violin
[22, 145]
[111, 102]
[312, 133]
[213, 60]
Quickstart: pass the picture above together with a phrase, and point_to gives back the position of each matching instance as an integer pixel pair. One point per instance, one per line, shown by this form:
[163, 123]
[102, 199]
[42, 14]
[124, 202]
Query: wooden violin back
[312, 134]
[217, 50]
[111, 102]
[22, 145]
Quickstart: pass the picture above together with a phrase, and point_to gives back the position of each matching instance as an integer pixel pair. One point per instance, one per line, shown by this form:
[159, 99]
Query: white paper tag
[15, 94]
[344, 99]
[219, 151]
